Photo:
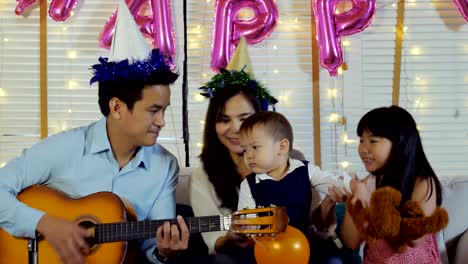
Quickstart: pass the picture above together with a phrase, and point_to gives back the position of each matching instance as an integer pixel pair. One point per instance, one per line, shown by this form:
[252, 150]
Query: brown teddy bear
[387, 218]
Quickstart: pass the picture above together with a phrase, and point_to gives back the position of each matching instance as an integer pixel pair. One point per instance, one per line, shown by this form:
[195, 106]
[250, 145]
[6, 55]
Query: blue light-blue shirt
[80, 162]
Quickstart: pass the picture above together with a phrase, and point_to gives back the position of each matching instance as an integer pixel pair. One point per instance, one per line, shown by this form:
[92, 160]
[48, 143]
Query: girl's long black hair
[407, 162]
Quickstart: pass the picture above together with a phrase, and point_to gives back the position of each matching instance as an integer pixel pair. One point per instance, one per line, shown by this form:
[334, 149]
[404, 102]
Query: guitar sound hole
[87, 225]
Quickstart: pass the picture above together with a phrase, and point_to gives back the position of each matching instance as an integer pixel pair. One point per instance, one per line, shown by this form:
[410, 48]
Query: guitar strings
[142, 229]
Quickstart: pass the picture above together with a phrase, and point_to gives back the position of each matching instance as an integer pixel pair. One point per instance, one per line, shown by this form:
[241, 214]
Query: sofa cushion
[183, 186]
[461, 256]
[455, 195]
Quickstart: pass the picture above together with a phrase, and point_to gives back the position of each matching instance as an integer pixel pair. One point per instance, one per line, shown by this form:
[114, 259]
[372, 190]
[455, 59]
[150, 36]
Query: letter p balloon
[228, 28]
[330, 27]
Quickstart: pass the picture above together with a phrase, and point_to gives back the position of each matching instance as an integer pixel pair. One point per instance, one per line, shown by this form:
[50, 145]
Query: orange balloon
[290, 246]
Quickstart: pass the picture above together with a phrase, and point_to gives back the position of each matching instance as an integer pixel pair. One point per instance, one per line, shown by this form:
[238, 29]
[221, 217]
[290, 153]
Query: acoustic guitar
[109, 219]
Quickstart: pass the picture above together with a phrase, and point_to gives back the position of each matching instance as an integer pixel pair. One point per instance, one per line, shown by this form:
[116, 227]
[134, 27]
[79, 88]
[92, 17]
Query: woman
[234, 96]
[215, 185]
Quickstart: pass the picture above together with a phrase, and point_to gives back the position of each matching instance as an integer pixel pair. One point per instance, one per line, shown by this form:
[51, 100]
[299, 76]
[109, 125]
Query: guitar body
[101, 207]
[110, 220]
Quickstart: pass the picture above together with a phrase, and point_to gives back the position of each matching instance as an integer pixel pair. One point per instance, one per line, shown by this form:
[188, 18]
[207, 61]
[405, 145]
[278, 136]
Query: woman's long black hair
[407, 162]
[215, 157]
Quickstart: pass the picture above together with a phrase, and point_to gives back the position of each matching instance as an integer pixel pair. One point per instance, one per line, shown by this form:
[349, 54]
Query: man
[117, 153]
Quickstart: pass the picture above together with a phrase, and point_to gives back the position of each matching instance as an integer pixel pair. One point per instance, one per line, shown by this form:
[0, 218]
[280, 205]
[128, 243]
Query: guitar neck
[111, 232]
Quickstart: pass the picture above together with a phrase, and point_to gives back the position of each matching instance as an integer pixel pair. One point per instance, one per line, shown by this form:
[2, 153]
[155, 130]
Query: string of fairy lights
[199, 38]
[417, 102]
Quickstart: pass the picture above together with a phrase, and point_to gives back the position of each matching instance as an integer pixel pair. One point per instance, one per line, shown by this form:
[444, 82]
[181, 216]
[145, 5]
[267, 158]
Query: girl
[390, 148]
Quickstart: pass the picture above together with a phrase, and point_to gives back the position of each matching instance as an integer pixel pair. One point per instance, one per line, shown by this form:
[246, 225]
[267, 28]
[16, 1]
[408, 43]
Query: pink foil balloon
[462, 6]
[163, 32]
[105, 37]
[330, 27]
[145, 23]
[22, 5]
[60, 10]
[228, 29]
[157, 26]
[357, 19]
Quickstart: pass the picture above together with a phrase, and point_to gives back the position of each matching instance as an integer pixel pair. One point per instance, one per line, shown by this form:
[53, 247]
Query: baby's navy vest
[293, 192]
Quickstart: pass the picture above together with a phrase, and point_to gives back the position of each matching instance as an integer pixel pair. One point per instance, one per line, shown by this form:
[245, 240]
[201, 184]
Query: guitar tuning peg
[272, 205]
[249, 235]
[273, 234]
[260, 235]
[260, 206]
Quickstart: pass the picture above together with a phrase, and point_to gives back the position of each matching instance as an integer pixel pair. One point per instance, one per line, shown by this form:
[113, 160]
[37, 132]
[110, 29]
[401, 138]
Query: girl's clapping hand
[360, 192]
[339, 195]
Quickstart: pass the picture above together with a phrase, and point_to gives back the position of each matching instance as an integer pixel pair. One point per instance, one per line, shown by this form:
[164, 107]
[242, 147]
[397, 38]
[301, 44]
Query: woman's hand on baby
[240, 240]
[232, 240]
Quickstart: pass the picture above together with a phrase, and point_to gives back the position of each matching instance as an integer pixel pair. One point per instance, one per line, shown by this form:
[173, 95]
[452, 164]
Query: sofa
[453, 240]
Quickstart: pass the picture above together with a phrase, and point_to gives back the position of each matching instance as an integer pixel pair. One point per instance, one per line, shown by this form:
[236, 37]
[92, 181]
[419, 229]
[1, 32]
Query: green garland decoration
[225, 77]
